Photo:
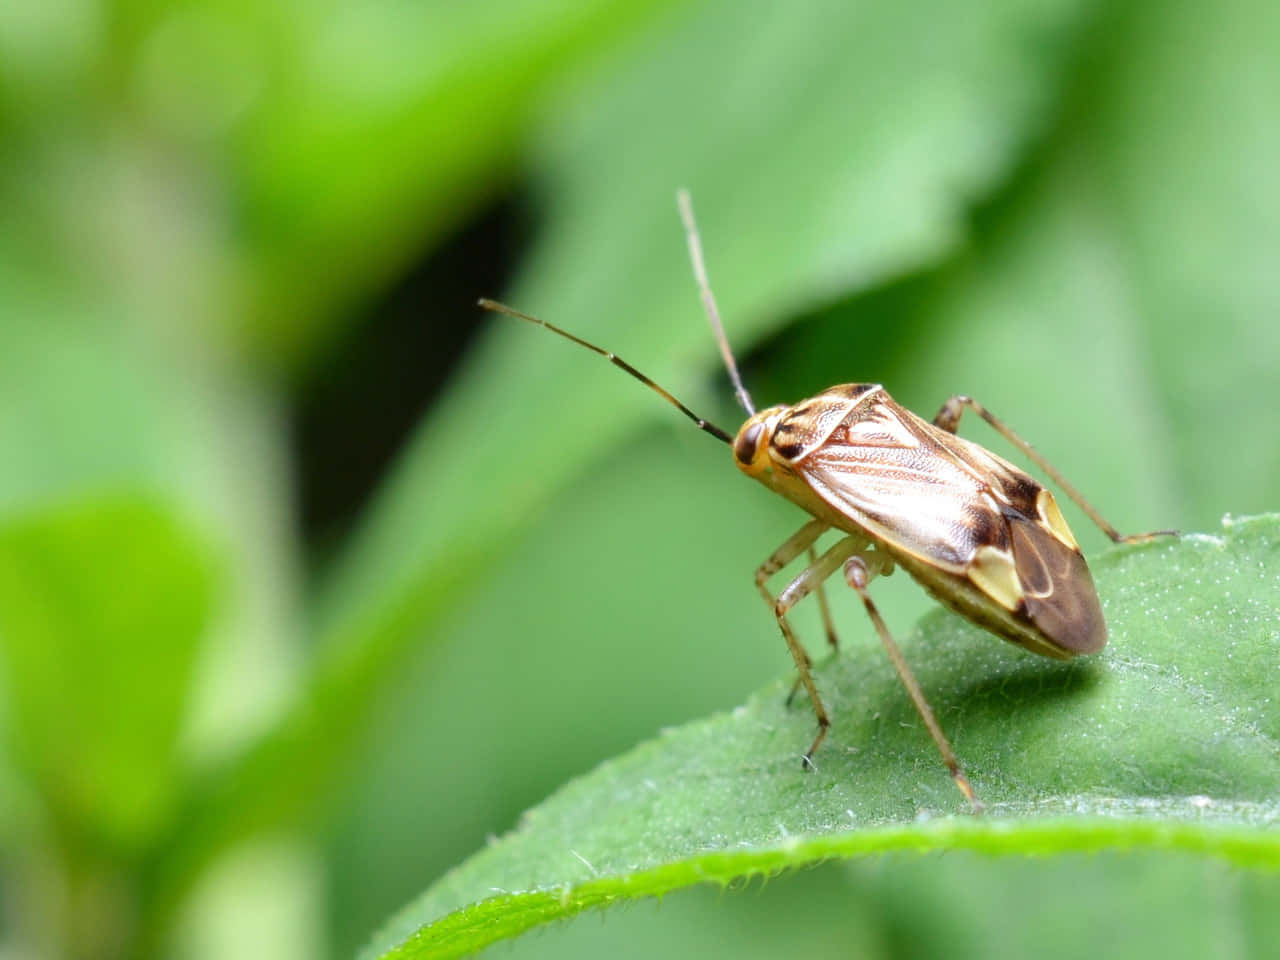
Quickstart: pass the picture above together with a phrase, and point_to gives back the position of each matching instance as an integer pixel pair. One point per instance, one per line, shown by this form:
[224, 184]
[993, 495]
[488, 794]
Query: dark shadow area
[362, 403]
[1036, 682]
[958, 674]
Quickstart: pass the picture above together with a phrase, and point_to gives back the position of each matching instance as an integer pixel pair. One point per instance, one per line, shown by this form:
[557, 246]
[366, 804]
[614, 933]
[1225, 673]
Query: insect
[980, 535]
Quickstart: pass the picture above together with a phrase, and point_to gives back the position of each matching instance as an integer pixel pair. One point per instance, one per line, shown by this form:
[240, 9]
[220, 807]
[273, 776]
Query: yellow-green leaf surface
[103, 605]
[1169, 740]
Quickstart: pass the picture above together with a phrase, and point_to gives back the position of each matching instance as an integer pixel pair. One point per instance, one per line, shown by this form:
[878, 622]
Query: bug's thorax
[772, 441]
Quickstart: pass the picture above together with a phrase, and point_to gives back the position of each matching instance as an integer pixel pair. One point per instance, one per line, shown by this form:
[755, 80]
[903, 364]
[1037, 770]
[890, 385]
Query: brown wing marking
[1058, 592]
[807, 426]
[885, 470]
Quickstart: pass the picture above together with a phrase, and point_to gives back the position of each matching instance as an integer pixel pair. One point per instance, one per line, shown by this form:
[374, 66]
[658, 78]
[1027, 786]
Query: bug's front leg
[802, 540]
[797, 590]
[798, 543]
[824, 610]
[859, 570]
[948, 419]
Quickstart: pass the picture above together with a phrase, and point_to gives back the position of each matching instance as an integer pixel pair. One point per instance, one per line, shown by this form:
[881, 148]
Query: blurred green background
[312, 577]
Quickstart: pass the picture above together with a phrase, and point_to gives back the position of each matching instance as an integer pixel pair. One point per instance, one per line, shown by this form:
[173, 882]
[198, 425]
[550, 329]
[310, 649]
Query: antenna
[617, 361]
[708, 299]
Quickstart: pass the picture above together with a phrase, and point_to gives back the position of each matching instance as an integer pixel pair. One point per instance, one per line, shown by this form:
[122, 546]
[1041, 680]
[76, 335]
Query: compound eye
[747, 444]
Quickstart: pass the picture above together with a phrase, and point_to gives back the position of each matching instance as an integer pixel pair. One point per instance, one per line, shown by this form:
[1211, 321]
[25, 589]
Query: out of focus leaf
[69, 385]
[102, 608]
[390, 120]
[1168, 740]
[90, 406]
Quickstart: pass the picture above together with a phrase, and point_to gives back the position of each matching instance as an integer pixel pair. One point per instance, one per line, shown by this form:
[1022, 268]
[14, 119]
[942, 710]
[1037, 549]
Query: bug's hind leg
[859, 571]
[948, 419]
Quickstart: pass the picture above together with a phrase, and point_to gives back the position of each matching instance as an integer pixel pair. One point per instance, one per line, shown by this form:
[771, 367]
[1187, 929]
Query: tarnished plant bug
[981, 536]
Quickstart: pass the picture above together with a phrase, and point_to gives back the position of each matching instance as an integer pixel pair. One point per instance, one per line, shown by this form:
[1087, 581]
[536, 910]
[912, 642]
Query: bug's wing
[959, 507]
[1058, 594]
[899, 478]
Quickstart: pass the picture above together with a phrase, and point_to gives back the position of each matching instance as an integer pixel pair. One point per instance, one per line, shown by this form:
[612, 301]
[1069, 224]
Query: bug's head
[751, 446]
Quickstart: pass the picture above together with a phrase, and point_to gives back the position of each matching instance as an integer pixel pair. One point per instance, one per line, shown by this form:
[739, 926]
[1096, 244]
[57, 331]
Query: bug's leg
[948, 419]
[796, 544]
[858, 571]
[797, 590]
[827, 623]
[800, 541]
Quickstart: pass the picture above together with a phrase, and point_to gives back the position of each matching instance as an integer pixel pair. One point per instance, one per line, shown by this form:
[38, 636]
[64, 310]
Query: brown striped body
[980, 535]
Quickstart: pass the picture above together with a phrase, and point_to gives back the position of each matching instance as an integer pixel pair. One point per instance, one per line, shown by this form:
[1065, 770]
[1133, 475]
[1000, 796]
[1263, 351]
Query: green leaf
[103, 605]
[1169, 740]
[1144, 905]
[90, 407]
